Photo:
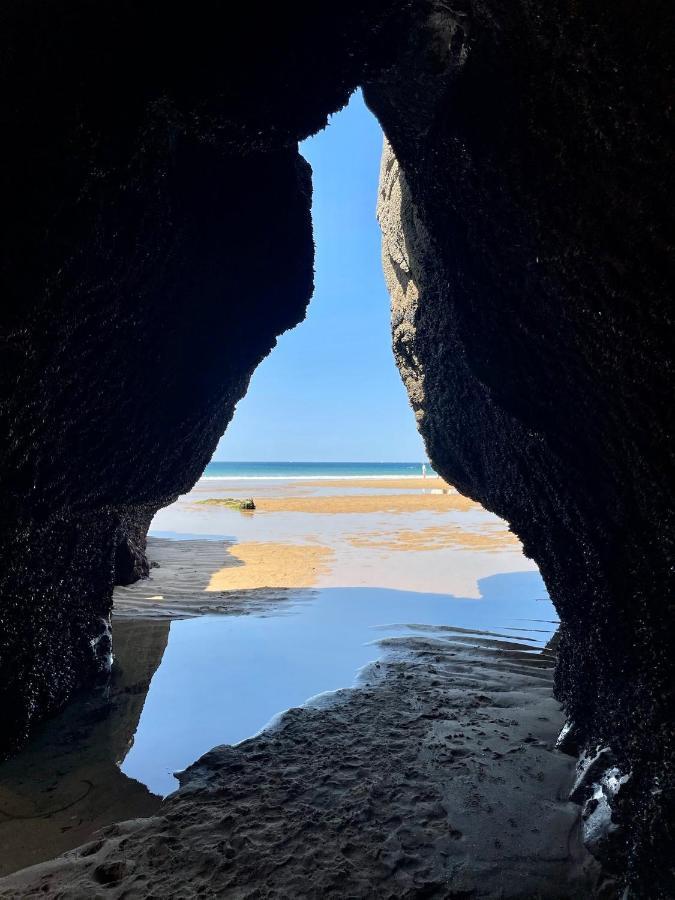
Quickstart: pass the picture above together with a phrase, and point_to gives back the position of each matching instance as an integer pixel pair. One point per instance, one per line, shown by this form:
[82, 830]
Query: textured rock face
[133, 374]
[156, 240]
[525, 248]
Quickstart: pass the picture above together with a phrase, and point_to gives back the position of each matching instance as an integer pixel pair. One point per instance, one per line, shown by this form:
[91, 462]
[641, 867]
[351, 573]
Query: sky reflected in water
[223, 678]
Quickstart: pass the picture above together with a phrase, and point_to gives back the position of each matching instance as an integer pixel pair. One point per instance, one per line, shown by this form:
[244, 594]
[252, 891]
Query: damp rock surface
[526, 250]
[156, 240]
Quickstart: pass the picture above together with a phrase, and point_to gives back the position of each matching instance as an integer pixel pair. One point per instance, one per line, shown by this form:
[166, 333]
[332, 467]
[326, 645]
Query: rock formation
[157, 239]
[526, 251]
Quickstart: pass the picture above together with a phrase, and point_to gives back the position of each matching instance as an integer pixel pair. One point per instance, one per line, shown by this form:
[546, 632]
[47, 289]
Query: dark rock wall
[156, 238]
[527, 245]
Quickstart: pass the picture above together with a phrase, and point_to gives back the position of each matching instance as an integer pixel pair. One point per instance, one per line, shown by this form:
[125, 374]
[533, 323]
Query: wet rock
[532, 327]
[568, 739]
[131, 563]
[157, 239]
[589, 770]
[597, 819]
[233, 503]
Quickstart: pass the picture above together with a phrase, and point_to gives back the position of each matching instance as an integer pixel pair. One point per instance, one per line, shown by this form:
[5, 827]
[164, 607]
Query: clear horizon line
[355, 462]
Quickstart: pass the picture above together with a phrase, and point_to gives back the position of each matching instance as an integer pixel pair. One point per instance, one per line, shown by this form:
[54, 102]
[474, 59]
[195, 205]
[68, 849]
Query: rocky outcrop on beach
[158, 239]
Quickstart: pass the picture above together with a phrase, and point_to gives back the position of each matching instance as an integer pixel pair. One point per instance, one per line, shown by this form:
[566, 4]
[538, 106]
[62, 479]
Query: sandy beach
[347, 495]
[435, 776]
[213, 485]
[394, 503]
[267, 565]
[404, 533]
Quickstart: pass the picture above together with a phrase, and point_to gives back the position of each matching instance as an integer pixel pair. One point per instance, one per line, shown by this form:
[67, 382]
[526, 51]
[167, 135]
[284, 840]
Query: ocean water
[315, 470]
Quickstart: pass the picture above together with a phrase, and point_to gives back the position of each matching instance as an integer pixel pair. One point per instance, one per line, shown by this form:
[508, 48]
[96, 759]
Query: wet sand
[185, 576]
[437, 538]
[428, 484]
[276, 486]
[436, 778]
[414, 540]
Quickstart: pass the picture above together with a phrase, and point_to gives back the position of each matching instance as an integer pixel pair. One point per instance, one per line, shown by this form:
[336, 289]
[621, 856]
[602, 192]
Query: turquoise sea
[318, 470]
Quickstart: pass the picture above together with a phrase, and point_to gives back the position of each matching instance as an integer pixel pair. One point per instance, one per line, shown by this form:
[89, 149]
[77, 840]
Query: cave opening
[157, 243]
[245, 613]
[330, 390]
[305, 442]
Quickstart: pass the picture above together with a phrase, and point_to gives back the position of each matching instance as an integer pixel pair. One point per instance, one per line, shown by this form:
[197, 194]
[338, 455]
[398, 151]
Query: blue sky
[330, 389]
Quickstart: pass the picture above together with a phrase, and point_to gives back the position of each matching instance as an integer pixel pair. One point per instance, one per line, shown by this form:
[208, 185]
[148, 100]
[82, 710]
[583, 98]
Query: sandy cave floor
[436, 778]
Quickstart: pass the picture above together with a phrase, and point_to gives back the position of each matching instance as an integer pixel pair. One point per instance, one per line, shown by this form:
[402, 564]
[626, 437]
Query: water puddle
[222, 678]
[181, 687]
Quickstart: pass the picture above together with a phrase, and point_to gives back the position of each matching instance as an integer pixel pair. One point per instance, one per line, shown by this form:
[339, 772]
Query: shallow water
[182, 686]
[222, 678]
[443, 570]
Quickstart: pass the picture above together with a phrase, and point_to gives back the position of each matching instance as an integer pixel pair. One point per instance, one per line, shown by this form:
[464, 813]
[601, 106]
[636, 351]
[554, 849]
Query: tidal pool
[223, 678]
[180, 687]
[195, 667]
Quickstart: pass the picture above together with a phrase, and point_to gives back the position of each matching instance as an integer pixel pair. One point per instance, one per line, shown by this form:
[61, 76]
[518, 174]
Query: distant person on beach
[424, 471]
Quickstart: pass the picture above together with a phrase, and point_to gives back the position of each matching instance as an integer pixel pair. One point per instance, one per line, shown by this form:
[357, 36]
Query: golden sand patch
[433, 538]
[361, 503]
[260, 564]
